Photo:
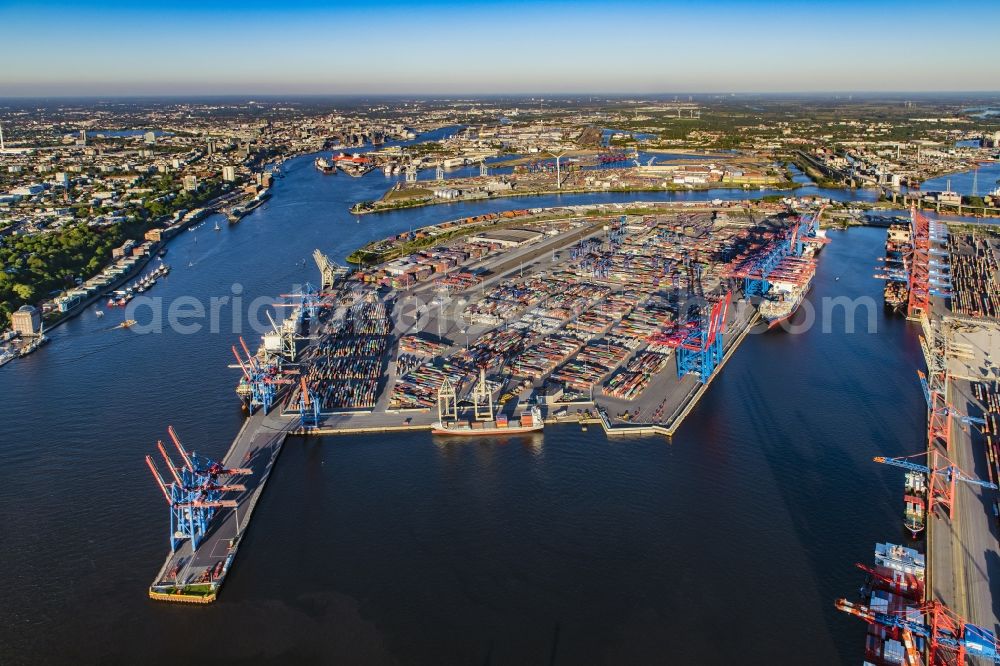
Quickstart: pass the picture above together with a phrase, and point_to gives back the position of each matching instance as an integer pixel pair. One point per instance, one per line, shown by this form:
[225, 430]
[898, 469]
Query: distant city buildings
[229, 174]
[190, 183]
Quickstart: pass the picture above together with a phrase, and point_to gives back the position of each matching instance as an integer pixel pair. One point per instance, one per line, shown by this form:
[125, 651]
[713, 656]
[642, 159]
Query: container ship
[324, 165]
[530, 421]
[484, 423]
[792, 278]
[898, 244]
[784, 298]
[894, 586]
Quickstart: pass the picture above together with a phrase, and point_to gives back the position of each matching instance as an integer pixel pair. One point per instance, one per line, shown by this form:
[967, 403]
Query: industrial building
[27, 321]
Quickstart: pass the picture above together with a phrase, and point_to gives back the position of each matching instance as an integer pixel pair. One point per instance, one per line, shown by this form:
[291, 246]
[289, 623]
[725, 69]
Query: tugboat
[483, 423]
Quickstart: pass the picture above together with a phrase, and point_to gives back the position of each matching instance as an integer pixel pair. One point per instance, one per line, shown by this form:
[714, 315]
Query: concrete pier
[190, 576]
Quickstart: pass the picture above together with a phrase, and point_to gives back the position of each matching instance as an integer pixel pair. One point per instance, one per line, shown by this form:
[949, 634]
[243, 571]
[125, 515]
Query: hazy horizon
[536, 95]
[449, 48]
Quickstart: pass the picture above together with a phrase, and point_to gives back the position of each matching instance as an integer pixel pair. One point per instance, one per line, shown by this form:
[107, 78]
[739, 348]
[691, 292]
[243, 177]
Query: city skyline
[451, 48]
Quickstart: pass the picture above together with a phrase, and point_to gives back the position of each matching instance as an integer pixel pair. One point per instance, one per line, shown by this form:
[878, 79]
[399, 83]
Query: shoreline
[619, 190]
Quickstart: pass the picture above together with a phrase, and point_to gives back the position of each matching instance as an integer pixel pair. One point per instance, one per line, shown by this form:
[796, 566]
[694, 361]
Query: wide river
[726, 545]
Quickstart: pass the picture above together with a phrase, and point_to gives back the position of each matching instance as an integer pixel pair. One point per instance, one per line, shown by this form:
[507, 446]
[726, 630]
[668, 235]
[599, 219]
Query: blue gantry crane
[308, 406]
[699, 341]
[259, 383]
[194, 493]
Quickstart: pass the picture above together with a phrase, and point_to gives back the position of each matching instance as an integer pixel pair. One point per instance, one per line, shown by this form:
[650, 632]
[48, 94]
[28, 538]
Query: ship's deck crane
[948, 638]
[943, 476]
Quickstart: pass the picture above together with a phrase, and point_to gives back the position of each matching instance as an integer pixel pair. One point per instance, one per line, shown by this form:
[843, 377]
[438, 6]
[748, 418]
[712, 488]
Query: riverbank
[386, 249]
[354, 567]
[170, 233]
[362, 208]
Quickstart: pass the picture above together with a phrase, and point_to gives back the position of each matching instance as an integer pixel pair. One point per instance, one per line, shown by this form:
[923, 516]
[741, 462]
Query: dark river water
[726, 545]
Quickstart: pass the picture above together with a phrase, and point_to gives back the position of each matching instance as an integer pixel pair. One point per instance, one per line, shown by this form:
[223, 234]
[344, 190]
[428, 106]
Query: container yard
[497, 331]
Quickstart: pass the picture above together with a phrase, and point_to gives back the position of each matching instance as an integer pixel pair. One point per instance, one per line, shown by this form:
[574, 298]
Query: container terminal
[485, 327]
[940, 606]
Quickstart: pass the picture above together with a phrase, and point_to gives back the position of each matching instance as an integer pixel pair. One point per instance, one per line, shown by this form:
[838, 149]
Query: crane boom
[951, 471]
[170, 464]
[180, 448]
[974, 640]
[239, 359]
[158, 478]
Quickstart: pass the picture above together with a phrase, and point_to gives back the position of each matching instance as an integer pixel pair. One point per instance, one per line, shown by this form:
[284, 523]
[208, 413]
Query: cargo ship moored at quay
[898, 245]
[483, 423]
[324, 165]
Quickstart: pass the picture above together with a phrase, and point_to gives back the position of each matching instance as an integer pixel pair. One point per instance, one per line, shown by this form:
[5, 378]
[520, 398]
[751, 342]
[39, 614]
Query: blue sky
[449, 47]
